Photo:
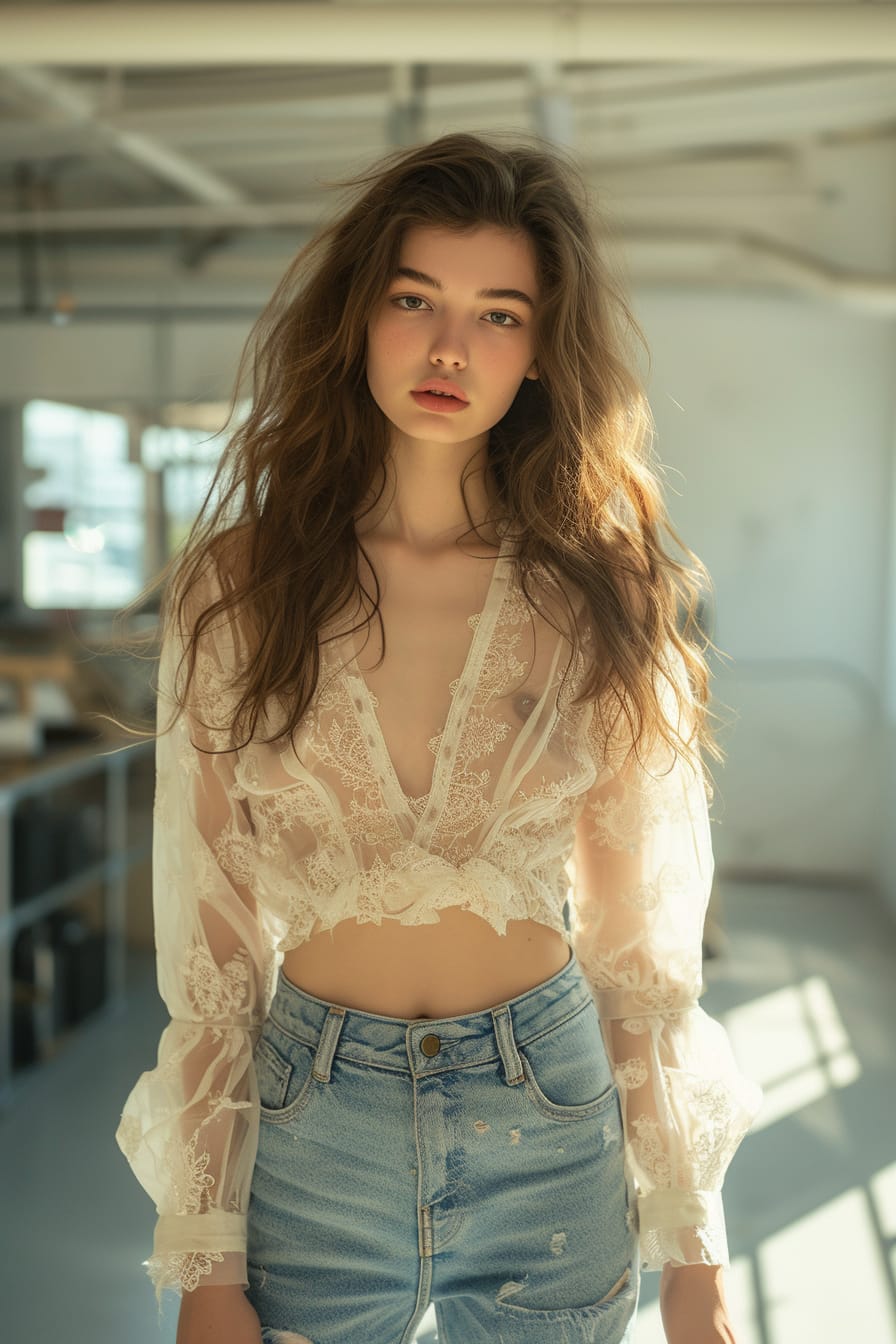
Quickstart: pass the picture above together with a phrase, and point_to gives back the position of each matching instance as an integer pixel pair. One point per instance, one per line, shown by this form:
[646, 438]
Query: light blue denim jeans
[471, 1161]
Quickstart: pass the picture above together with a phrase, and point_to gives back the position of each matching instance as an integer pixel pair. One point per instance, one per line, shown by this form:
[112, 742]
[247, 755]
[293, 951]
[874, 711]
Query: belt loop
[513, 1068]
[326, 1046]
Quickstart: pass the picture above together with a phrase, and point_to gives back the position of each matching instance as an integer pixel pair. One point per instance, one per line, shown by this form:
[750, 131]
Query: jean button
[430, 1045]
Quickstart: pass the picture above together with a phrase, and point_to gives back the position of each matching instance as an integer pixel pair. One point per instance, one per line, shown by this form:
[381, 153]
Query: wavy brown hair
[571, 458]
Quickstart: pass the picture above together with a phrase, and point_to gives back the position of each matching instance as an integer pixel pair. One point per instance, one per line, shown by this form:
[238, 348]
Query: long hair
[571, 458]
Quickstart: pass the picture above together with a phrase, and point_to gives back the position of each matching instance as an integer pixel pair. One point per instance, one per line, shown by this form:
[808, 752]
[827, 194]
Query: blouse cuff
[193, 1249]
[686, 1227]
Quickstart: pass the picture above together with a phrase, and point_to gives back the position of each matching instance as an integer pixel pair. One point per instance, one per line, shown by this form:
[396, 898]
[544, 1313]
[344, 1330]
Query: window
[85, 549]
[186, 459]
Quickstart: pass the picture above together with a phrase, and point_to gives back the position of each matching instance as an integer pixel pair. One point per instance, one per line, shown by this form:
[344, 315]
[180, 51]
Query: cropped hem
[683, 1227]
[190, 1249]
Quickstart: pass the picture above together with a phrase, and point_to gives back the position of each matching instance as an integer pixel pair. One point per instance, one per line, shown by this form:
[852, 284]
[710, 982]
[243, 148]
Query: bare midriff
[459, 965]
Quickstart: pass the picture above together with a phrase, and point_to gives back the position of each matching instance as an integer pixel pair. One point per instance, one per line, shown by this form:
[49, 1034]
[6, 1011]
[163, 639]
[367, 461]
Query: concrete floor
[807, 990]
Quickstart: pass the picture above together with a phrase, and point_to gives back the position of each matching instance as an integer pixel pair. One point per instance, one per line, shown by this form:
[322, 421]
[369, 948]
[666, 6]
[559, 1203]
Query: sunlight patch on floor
[793, 1042]
[883, 1200]
[821, 1278]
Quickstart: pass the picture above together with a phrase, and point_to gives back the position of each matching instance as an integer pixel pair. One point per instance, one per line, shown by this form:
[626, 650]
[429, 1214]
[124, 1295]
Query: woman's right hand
[217, 1314]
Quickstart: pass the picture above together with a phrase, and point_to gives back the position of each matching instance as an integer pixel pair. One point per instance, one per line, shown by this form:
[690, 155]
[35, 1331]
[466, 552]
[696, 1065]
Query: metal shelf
[110, 872]
[61, 893]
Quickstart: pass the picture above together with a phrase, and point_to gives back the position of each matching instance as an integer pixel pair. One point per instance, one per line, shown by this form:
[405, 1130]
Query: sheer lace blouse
[530, 809]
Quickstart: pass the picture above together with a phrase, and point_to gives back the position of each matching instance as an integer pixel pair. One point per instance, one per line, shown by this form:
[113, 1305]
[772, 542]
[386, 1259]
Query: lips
[434, 401]
[441, 386]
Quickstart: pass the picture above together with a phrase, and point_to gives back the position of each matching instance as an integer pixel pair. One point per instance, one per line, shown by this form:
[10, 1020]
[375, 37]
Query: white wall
[778, 415]
[780, 412]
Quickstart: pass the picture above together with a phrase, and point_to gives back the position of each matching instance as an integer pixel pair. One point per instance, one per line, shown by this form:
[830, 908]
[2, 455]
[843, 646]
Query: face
[459, 312]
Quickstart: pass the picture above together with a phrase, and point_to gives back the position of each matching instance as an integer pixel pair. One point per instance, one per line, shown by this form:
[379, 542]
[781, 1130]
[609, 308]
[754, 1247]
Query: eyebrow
[423, 279]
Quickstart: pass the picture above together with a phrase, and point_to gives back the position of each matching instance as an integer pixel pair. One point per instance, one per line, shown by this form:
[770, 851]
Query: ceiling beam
[672, 110]
[769, 186]
[88, 35]
[140, 218]
[55, 97]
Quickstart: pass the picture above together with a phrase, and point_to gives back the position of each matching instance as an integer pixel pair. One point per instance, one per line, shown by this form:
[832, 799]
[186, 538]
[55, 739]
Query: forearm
[217, 1314]
[693, 1305]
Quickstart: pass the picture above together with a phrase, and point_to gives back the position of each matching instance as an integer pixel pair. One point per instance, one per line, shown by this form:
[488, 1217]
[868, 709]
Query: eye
[509, 320]
[414, 299]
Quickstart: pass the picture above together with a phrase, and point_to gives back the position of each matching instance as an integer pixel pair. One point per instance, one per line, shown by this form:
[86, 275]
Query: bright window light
[187, 459]
[56, 575]
[161, 446]
[86, 549]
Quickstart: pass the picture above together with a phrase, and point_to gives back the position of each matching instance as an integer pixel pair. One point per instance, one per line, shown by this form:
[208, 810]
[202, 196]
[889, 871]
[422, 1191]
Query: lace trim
[684, 1227]
[715, 1118]
[183, 1269]
[329, 848]
[129, 1136]
[632, 1073]
[623, 822]
[213, 694]
[699, 1245]
[191, 1179]
[215, 991]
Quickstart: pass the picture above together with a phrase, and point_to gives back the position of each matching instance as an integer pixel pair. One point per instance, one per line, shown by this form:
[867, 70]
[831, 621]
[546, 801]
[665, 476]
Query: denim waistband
[396, 1042]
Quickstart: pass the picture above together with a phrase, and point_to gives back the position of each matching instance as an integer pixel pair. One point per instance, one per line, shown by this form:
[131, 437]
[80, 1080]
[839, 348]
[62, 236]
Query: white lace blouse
[530, 807]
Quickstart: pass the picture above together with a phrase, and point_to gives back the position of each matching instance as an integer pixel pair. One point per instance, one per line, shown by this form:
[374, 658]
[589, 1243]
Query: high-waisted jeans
[472, 1161]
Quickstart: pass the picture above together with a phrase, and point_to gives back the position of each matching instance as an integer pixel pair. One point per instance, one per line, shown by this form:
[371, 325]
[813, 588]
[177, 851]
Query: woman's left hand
[692, 1305]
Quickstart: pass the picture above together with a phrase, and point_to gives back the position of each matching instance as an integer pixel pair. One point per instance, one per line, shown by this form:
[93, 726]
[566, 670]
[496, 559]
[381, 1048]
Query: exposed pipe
[28, 244]
[283, 33]
[864, 292]
[59, 96]
[140, 218]
[803, 272]
[551, 104]
[404, 118]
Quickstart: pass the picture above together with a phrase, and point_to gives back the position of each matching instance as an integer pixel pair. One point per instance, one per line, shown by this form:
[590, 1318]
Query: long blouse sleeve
[190, 1126]
[643, 869]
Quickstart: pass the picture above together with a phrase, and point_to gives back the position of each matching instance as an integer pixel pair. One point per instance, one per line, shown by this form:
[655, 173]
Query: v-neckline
[423, 824]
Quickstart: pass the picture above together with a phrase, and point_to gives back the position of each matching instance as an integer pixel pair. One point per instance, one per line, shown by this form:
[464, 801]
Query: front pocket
[555, 1111]
[284, 1072]
[567, 1073]
[272, 1074]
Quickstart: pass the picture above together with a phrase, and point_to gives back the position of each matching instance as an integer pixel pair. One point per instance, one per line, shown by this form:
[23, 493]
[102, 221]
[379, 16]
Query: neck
[422, 505]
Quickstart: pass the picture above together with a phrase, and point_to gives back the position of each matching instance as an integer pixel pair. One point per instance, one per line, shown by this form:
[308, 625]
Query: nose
[448, 348]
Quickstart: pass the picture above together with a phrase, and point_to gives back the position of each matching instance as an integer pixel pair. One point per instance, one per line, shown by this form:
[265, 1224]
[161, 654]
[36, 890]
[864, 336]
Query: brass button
[430, 1045]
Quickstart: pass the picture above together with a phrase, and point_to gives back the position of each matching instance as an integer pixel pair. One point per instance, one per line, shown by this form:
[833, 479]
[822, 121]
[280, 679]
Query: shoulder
[206, 598]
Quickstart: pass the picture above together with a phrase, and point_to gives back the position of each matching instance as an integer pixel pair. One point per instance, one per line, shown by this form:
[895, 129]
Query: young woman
[432, 849]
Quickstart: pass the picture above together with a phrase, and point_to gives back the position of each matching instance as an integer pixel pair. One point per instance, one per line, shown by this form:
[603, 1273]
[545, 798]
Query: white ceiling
[148, 165]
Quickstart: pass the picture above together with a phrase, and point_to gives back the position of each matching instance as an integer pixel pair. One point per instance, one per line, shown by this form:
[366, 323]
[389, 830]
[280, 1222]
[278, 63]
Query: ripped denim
[475, 1162]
